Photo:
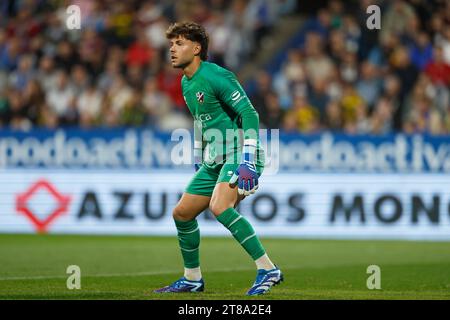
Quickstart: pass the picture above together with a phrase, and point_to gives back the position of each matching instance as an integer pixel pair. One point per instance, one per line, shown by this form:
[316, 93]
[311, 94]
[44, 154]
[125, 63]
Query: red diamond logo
[22, 204]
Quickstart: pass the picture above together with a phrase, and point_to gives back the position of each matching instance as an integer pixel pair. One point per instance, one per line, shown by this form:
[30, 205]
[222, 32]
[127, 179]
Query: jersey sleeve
[228, 89]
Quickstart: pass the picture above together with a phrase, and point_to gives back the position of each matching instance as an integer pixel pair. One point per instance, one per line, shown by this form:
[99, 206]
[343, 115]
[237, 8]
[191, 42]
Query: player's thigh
[224, 197]
[190, 206]
[203, 182]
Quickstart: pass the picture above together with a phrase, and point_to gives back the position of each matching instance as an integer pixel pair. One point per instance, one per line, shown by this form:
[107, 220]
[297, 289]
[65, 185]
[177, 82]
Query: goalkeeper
[228, 165]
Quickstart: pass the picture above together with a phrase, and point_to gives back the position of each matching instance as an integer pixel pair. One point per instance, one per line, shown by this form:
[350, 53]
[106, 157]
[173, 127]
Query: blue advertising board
[148, 149]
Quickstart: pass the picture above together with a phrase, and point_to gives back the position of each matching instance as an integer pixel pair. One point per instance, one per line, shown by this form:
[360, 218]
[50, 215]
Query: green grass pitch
[128, 267]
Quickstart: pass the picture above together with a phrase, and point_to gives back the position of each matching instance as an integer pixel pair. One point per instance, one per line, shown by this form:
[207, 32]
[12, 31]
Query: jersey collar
[196, 71]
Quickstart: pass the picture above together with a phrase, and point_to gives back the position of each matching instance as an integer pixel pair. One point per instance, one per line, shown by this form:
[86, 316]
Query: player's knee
[180, 214]
[217, 208]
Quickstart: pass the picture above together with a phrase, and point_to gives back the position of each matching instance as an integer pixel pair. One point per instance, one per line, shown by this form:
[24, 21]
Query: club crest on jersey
[200, 96]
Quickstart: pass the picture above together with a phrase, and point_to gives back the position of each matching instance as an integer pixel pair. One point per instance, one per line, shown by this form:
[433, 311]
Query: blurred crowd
[114, 71]
[341, 76]
[338, 75]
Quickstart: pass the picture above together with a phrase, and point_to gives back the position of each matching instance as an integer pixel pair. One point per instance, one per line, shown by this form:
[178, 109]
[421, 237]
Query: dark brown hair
[191, 31]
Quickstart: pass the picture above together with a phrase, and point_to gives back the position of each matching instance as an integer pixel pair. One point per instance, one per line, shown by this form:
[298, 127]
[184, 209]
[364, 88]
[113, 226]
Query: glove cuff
[198, 152]
[249, 150]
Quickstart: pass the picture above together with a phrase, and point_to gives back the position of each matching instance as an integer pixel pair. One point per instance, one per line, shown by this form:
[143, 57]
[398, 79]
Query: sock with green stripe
[242, 231]
[189, 240]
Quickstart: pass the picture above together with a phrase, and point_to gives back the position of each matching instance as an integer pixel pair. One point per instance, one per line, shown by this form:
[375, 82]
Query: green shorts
[206, 177]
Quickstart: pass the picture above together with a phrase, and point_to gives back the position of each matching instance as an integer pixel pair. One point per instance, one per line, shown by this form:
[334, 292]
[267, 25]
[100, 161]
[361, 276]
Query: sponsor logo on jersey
[235, 95]
[204, 117]
[200, 96]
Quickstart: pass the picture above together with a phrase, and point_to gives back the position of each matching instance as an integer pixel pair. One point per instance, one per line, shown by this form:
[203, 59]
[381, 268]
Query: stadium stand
[333, 74]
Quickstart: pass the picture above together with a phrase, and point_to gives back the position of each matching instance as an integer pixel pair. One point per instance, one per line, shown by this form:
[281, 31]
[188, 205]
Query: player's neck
[192, 68]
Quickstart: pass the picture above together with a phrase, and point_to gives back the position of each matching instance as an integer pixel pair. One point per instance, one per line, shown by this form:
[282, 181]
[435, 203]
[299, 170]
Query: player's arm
[232, 94]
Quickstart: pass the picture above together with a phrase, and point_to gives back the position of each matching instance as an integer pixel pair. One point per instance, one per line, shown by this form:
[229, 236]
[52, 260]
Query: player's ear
[197, 49]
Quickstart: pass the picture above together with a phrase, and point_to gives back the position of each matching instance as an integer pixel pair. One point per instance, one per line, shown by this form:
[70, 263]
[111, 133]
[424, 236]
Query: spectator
[155, 33]
[350, 102]
[273, 116]
[349, 68]
[318, 65]
[336, 48]
[395, 19]
[89, 105]
[9, 55]
[352, 33]
[4, 108]
[118, 95]
[169, 80]
[111, 72]
[421, 51]
[24, 73]
[445, 45]
[91, 52]
[391, 92]
[120, 24]
[437, 69]
[291, 80]
[404, 70]
[318, 96]
[369, 85]
[424, 117]
[156, 103]
[66, 57]
[33, 100]
[336, 9]
[220, 35]
[382, 117]
[307, 117]
[17, 115]
[333, 116]
[133, 113]
[319, 25]
[263, 86]
[149, 12]
[93, 16]
[61, 98]
[80, 79]
[46, 73]
[48, 118]
[136, 76]
[140, 52]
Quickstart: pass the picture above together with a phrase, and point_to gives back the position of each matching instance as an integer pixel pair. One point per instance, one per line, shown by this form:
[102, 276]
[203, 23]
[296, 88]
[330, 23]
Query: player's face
[182, 51]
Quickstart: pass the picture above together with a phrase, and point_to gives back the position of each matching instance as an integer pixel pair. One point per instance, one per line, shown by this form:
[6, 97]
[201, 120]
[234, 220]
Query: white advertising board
[328, 206]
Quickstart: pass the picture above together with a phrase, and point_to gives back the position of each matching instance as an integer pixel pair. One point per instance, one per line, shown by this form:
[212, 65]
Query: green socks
[189, 239]
[242, 231]
[240, 228]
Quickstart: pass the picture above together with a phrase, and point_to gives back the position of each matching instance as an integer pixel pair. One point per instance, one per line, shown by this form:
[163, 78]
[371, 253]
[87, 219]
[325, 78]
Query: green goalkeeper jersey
[220, 109]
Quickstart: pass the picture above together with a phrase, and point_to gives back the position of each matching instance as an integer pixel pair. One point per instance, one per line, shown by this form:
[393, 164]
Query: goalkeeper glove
[245, 175]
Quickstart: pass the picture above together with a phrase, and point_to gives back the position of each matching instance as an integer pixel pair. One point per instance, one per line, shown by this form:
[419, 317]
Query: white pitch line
[136, 274]
[105, 275]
